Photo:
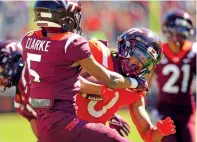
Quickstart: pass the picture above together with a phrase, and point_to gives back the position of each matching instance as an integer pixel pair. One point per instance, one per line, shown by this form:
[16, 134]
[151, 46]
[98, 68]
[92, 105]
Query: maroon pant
[77, 130]
[185, 131]
[184, 122]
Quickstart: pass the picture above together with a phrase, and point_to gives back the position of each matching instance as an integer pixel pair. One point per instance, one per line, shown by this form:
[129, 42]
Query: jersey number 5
[36, 58]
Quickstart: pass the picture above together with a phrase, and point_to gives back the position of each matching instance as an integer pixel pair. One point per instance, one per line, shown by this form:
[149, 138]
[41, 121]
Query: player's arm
[144, 125]
[109, 78]
[89, 87]
[77, 50]
[93, 91]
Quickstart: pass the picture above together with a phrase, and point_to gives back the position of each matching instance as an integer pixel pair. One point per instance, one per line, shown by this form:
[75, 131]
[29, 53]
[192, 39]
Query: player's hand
[142, 84]
[117, 123]
[106, 94]
[166, 126]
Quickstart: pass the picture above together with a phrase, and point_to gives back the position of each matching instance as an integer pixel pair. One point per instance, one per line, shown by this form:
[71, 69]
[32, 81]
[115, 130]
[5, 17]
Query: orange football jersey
[101, 111]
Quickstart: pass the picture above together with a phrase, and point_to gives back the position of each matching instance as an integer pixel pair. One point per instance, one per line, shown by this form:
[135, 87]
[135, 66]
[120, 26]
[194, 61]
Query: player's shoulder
[193, 49]
[26, 36]
[101, 45]
[165, 45]
[99, 41]
[74, 40]
[30, 33]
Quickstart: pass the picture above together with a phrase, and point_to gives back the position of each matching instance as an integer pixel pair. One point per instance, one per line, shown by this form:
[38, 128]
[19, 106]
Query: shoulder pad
[194, 47]
[30, 33]
[105, 42]
[70, 39]
[193, 50]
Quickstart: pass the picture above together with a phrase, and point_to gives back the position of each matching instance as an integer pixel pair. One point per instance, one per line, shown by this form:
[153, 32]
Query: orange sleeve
[101, 53]
[96, 50]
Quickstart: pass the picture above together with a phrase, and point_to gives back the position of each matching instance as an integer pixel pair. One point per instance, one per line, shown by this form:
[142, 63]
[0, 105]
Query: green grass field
[14, 128]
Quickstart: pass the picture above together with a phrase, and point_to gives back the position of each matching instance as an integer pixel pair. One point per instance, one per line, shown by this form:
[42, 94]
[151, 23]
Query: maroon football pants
[81, 131]
[185, 131]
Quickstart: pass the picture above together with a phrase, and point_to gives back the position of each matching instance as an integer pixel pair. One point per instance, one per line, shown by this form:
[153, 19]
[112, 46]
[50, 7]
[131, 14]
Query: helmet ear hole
[67, 23]
[63, 14]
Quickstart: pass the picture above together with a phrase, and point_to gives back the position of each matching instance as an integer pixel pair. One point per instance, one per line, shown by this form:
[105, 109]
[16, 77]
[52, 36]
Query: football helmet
[142, 43]
[11, 64]
[177, 23]
[59, 14]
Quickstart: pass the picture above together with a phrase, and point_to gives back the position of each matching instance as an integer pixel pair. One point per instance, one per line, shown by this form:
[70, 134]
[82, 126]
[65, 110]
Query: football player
[50, 54]
[14, 73]
[11, 74]
[98, 48]
[174, 76]
[139, 51]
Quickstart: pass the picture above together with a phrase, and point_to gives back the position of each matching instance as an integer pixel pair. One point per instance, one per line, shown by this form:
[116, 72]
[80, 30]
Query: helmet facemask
[71, 23]
[138, 50]
[77, 18]
[10, 69]
[177, 27]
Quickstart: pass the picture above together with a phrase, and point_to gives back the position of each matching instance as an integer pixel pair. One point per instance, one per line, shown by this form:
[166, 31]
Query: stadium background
[100, 19]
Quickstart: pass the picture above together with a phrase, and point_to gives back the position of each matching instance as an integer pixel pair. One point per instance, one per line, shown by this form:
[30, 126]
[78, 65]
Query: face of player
[132, 66]
[136, 65]
[4, 81]
[2, 78]
[175, 38]
[1, 68]
[139, 63]
[142, 60]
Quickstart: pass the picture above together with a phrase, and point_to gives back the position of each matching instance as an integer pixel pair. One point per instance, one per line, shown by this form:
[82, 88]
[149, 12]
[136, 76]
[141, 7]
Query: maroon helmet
[59, 14]
[177, 23]
[142, 43]
[11, 63]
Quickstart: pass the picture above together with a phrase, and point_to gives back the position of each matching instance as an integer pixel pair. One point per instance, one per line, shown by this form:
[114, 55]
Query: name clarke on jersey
[35, 44]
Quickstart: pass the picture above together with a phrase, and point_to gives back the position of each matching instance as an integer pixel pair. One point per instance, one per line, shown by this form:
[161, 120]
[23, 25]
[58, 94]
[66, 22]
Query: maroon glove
[117, 123]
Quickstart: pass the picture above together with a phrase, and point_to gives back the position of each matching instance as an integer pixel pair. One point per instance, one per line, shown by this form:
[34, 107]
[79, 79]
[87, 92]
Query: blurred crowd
[100, 19]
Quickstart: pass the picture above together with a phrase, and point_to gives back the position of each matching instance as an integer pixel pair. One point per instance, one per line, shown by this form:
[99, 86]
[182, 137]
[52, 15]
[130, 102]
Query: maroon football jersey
[49, 62]
[175, 74]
